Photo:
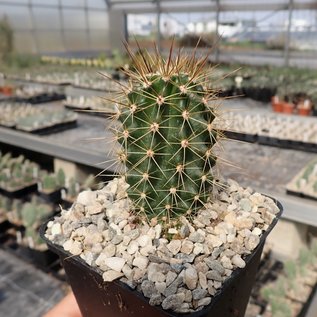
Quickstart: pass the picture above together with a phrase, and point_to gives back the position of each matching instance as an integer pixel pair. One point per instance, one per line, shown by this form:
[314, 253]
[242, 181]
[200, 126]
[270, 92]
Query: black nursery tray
[51, 129]
[51, 197]
[40, 98]
[34, 81]
[308, 147]
[20, 192]
[267, 140]
[4, 226]
[88, 110]
[42, 259]
[74, 107]
[251, 138]
[300, 194]
[93, 89]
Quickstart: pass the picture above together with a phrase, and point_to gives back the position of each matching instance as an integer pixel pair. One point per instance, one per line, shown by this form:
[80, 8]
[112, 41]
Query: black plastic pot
[97, 298]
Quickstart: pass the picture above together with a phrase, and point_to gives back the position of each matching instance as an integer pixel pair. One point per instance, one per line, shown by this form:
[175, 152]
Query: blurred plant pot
[7, 90]
[288, 107]
[303, 111]
[277, 104]
[278, 107]
[97, 298]
[304, 108]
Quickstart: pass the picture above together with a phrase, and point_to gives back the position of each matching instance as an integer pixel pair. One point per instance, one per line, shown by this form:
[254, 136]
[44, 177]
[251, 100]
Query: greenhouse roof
[207, 5]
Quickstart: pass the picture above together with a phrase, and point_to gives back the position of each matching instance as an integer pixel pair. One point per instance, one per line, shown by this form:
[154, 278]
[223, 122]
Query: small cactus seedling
[49, 183]
[167, 134]
[72, 188]
[60, 178]
[32, 215]
[90, 182]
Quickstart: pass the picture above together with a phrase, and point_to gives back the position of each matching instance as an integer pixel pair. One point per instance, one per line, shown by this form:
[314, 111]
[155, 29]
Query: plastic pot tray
[89, 111]
[51, 129]
[251, 138]
[97, 298]
[300, 194]
[267, 140]
[51, 197]
[20, 192]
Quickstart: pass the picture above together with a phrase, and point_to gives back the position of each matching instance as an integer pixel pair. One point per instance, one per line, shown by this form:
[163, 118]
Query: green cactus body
[60, 178]
[167, 136]
[49, 182]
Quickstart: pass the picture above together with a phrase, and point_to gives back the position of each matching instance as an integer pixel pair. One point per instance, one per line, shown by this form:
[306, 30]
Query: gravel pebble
[180, 274]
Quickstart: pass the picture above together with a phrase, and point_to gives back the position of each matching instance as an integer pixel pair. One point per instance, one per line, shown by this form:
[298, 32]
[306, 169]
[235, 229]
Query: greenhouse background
[236, 135]
[276, 32]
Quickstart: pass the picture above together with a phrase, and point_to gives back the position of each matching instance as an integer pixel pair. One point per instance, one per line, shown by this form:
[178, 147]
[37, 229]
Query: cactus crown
[167, 134]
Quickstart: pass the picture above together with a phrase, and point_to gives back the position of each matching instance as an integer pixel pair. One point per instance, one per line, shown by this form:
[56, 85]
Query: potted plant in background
[277, 104]
[73, 188]
[50, 186]
[288, 107]
[167, 237]
[304, 107]
[33, 213]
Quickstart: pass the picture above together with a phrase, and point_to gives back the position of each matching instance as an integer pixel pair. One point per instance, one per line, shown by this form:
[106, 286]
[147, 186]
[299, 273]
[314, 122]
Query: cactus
[5, 160]
[49, 183]
[290, 268]
[5, 203]
[33, 213]
[60, 178]
[167, 135]
[72, 189]
[89, 182]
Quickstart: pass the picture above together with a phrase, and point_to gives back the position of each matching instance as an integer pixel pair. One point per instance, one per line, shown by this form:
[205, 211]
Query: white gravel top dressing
[179, 268]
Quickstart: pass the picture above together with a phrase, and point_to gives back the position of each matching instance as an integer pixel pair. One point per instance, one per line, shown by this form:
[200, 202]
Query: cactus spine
[167, 134]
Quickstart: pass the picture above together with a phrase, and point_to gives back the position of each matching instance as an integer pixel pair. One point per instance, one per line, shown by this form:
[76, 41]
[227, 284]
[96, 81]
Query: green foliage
[72, 189]
[5, 203]
[90, 182]
[17, 207]
[16, 172]
[313, 247]
[6, 38]
[22, 61]
[49, 182]
[34, 213]
[4, 160]
[167, 135]
[60, 178]
[290, 269]
[280, 308]
[315, 187]
[119, 59]
[305, 259]
[34, 235]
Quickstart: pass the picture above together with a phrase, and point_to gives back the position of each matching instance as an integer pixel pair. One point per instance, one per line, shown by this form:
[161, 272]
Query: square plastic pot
[97, 298]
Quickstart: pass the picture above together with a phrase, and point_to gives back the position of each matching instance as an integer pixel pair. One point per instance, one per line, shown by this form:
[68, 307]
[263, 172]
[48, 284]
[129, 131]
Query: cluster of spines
[167, 134]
